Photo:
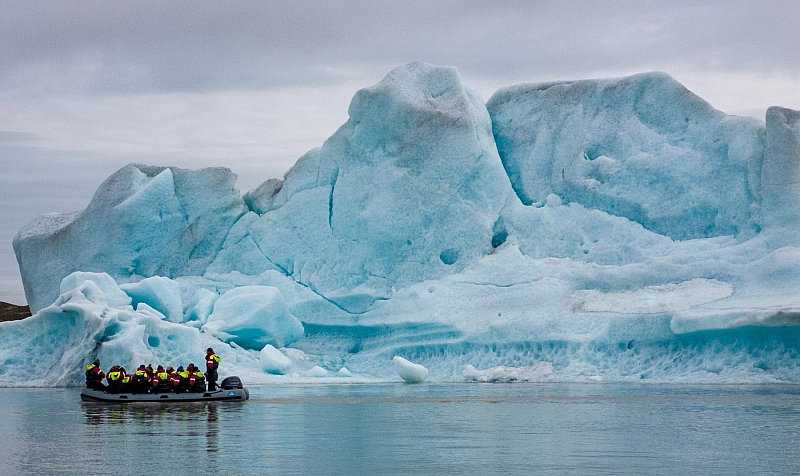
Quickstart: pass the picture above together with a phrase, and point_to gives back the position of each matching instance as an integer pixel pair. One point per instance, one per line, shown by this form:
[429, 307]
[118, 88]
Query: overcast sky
[88, 87]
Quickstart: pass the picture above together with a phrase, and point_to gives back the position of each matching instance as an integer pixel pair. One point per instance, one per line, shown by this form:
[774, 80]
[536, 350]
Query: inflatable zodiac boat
[230, 390]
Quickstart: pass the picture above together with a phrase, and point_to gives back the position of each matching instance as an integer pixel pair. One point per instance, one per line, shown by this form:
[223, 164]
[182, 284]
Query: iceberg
[596, 230]
[409, 371]
[143, 221]
[273, 361]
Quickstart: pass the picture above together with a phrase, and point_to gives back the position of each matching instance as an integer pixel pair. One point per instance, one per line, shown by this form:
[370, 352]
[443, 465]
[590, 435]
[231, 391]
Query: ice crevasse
[595, 230]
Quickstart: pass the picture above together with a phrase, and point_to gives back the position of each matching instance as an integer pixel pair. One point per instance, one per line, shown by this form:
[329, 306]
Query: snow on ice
[596, 230]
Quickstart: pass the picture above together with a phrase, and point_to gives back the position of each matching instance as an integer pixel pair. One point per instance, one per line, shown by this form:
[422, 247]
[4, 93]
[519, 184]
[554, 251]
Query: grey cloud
[180, 46]
[17, 137]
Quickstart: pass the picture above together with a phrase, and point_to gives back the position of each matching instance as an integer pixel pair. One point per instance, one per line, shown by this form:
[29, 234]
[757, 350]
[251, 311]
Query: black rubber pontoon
[231, 390]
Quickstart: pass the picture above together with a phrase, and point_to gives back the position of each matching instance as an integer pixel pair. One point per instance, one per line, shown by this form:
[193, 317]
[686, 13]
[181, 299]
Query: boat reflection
[198, 423]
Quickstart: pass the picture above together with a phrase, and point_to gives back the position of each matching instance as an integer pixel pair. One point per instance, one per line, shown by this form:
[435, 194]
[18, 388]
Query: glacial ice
[158, 293]
[143, 221]
[409, 371]
[316, 372]
[252, 317]
[509, 374]
[597, 230]
[344, 372]
[643, 147]
[273, 361]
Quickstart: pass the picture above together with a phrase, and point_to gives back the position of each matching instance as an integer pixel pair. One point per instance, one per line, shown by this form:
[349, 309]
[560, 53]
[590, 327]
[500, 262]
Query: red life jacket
[95, 372]
[212, 362]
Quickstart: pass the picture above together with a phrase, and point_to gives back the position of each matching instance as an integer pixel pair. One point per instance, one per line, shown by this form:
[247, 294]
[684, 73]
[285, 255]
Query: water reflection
[149, 414]
[188, 433]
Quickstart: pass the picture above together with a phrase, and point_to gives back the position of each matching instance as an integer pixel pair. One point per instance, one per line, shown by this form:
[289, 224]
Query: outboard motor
[230, 383]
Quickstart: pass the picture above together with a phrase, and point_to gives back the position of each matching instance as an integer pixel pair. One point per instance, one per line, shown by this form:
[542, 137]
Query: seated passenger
[161, 383]
[95, 376]
[179, 382]
[126, 381]
[114, 379]
[140, 382]
[197, 381]
[174, 380]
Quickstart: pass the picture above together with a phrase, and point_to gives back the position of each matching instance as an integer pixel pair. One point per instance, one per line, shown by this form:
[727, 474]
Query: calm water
[421, 429]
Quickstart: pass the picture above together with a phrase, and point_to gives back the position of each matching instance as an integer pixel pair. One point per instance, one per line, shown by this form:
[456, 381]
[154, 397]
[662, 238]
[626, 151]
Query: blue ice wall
[143, 221]
[642, 147]
[408, 189]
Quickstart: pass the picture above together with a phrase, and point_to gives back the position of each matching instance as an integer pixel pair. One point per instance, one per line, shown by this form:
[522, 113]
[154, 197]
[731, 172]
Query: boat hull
[222, 395]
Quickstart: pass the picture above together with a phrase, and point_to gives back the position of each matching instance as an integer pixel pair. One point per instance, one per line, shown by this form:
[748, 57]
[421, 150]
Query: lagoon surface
[413, 429]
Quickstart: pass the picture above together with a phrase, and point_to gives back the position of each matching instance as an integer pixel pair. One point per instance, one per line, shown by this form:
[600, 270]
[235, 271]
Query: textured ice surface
[408, 188]
[113, 295]
[159, 293]
[143, 221]
[509, 374]
[252, 317]
[642, 147]
[599, 230]
[52, 347]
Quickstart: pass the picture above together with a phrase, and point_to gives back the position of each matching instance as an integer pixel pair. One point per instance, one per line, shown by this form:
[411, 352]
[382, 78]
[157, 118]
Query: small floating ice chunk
[553, 200]
[317, 372]
[344, 372]
[273, 361]
[409, 371]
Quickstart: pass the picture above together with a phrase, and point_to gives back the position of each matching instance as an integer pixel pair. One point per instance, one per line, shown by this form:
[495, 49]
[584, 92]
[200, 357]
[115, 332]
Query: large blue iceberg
[596, 230]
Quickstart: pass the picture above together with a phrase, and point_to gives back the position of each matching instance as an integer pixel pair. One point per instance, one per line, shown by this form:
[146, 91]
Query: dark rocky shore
[12, 312]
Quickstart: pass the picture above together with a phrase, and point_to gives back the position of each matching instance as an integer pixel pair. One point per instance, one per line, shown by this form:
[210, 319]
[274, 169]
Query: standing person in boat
[95, 376]
[197, 381]
[114, 378]
[212, 363]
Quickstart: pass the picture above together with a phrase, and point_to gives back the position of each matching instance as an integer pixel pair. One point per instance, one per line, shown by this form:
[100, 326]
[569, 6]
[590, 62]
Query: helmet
[160, 367]
[209, 350]
[180, 369]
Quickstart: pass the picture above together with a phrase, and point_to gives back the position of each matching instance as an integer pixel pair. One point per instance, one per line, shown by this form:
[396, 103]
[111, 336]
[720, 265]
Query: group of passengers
[146, 379]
